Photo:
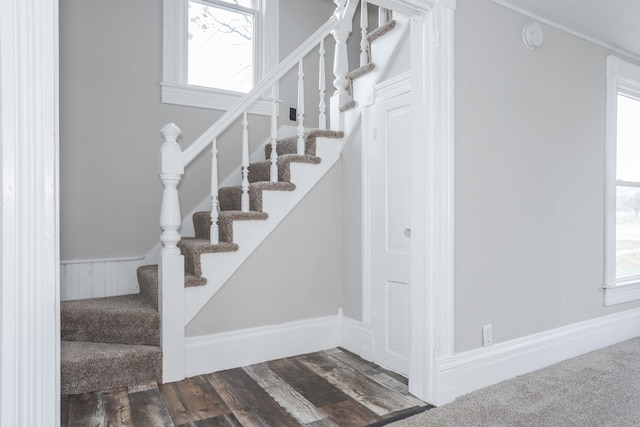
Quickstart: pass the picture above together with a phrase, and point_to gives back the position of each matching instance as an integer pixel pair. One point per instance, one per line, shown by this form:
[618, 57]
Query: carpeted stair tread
[202, 223]
[290, 145]
[125, 319]
[361, 71]
[87, 366]
[347, 105]
[192, 248]
[381, 31]
[261, 171]
[284, 166]
[148, 283]
[230, 198]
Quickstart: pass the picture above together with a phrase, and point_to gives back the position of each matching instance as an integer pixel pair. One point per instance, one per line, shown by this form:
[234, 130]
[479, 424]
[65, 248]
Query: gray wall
[529, 180]
[111, 114]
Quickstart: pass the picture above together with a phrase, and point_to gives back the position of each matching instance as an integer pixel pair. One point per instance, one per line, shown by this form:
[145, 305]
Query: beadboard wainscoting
[98, 278]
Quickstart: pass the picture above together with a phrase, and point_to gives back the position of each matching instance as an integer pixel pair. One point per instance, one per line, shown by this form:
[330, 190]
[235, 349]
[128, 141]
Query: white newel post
[273, 171]
[215, 207]
[245, 164]
[364, 24]
[322, 87]
[300, 108]
[340, 67]
[171, 267]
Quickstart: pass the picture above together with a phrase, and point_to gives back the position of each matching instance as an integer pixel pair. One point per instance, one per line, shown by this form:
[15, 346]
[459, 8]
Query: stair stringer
[217, 268]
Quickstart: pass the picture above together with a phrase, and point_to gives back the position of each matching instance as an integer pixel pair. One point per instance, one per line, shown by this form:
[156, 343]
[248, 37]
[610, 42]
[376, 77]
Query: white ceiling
[615, 23]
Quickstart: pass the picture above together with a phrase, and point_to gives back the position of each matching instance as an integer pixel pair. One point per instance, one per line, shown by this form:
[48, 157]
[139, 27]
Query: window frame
[175, 89]
[623, 78]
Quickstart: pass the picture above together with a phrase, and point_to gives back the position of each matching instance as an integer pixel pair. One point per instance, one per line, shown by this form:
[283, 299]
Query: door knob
[407, 232]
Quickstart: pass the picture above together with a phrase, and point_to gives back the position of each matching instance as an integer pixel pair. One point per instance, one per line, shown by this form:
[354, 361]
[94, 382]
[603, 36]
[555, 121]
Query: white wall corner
[227, 350]
[486, 366]
[431, 372]
[357, 337]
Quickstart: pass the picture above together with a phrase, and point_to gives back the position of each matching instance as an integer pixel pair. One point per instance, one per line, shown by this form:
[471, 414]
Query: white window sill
[621, 293]
[198, 96]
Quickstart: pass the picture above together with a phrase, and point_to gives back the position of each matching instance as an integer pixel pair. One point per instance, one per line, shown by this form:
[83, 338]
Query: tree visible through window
[220, 50]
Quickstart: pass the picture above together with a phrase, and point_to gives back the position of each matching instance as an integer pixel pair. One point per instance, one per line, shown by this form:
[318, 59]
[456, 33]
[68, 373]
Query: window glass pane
[220, 48]
[627, 231]
[628, 139]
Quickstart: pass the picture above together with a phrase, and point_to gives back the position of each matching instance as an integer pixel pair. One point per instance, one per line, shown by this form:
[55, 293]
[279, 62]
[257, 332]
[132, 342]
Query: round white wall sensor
[533, 35]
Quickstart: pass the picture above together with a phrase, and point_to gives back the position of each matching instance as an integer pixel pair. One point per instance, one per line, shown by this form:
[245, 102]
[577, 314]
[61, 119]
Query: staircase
[116, 341]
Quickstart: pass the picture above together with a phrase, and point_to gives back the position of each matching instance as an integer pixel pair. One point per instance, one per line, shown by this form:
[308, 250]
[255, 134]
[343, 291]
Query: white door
[391, 242]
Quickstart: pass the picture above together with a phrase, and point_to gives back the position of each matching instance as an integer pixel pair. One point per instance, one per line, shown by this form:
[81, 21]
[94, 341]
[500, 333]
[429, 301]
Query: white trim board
[227, 350]
[483, 367]
[357, 337]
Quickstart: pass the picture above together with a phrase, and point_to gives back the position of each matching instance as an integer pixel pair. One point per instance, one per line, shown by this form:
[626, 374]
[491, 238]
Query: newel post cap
[171, 160]
[170, 132]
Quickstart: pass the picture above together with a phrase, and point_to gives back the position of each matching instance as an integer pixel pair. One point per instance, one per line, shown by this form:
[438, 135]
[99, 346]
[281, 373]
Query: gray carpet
[601, 388]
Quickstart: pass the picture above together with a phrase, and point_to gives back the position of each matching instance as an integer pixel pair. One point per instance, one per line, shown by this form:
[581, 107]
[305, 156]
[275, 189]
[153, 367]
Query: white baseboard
[357, 337]
[98, 278]
[483, 367]
[227, 350]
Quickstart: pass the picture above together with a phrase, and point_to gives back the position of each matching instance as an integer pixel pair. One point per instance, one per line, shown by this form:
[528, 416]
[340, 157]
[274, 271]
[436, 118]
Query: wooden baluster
[364, 44]
[300, 108]
[322, 107]
[340, 67]
[215, 206]
[273, 172]
[383, 15]
[245, 164]
[341, 62]
[171, 172]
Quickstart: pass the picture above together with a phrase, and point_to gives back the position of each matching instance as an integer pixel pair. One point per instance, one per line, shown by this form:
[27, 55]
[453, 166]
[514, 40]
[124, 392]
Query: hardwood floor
[324, 389]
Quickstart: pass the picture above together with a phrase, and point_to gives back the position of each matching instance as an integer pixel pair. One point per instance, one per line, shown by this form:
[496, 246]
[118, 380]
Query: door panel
[391, 250]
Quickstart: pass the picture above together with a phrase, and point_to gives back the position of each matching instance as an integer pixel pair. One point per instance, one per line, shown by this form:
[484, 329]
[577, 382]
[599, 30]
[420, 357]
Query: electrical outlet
[293, 114]
[487, 335]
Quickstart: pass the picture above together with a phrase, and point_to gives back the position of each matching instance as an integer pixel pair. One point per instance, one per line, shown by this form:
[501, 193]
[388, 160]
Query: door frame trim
[432, 373]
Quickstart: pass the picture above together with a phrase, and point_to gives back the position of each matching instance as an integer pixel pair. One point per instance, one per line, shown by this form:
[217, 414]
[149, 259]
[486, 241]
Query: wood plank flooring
[325, 389]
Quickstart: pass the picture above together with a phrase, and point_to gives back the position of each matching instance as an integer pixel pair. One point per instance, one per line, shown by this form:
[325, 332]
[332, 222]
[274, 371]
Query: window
[216, 50]
[622, 254]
